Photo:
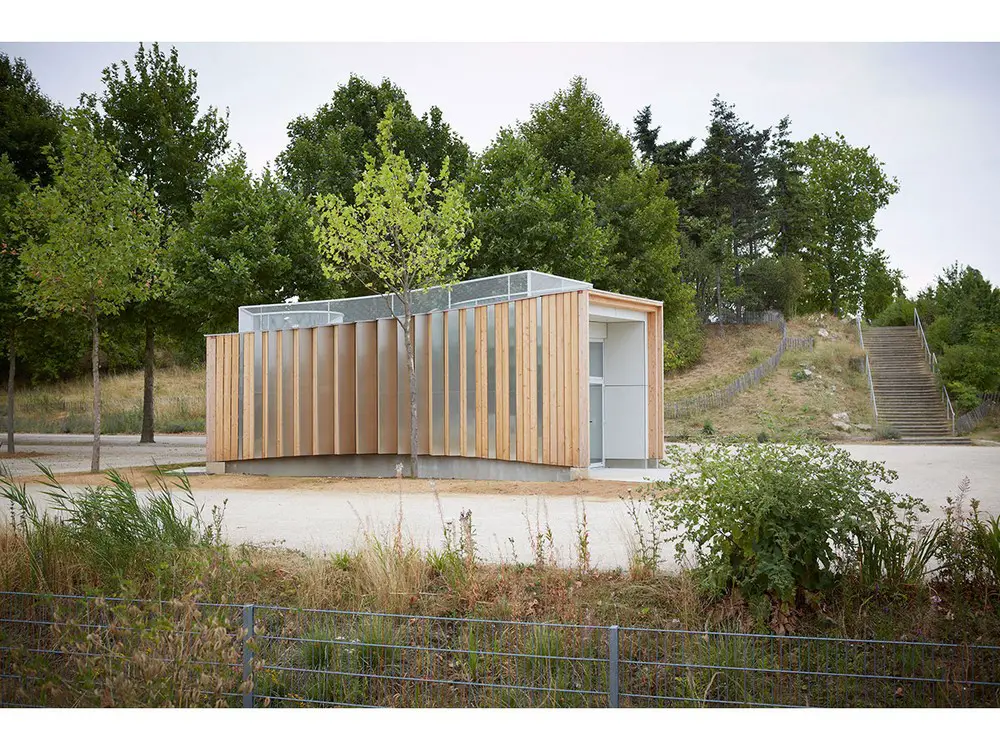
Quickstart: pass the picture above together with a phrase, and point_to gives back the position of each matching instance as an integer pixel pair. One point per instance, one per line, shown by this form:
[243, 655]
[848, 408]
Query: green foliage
[403, 232]
[528, 216]
[899, 312]
[683, 339]
[774, 519]
[847, 185]
[328, 153]
[90, 237]
[149, 114]
[249, 242]
[891, 556]
[29, 121]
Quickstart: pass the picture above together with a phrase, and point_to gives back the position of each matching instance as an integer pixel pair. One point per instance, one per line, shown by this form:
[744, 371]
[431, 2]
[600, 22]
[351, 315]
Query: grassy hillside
[68, 406]
[781, 406]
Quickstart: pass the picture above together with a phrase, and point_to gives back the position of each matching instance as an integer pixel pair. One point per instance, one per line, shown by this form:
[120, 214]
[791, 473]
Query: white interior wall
[625, 410]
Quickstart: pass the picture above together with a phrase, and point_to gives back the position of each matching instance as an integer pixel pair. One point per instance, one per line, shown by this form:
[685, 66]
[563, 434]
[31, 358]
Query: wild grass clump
[113, 531]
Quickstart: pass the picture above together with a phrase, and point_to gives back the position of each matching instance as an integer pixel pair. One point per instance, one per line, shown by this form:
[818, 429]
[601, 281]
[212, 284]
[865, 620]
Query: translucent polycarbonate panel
[470, 384]
[597, 359]
[273, 363]
[540, 283]
[305, 413]
[423, 383]
[258, 396]
[491, 381]
[324, 407]
[388, 390]
[402, 394]
[239, 397]
[596, 423]
[454, 384]
[474, 292]
[512, 376]
[437, 384]
[540, 368]
[287, 395]
[367, 387]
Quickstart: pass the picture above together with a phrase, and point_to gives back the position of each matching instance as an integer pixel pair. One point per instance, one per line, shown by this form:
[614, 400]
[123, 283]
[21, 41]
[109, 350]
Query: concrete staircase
[906, 391]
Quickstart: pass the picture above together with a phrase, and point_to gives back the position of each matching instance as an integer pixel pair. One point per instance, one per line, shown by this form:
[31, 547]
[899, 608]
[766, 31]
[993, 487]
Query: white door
[596, 403]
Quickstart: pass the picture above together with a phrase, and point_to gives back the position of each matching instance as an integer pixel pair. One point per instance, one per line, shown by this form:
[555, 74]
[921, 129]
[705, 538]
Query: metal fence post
[613, 666]
[247, 655]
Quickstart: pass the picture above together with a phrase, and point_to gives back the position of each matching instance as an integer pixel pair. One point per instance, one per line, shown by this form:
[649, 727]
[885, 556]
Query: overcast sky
[929, 111]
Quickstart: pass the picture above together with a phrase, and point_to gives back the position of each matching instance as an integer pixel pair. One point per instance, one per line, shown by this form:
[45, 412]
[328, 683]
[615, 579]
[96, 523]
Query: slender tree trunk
[95, 458]
[411, 371]
[718, 298]
[147, 386]
[12, 352]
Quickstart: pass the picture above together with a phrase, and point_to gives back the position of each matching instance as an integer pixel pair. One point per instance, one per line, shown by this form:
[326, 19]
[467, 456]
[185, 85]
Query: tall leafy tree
[248, 242]
[528, 216]
[576, 138]
[846, 185]
[403, 232]
[328, 152]
[89, 240]
[150, 113]
[29, 122]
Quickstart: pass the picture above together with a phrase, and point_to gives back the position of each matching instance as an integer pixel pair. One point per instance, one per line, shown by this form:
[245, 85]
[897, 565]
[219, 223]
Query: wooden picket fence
[689, 407]
[971, 419]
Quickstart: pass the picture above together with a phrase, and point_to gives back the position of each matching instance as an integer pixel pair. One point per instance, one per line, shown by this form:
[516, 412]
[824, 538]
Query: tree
[403, 233]
[248, 243]
[149, 113]
[526, 216]
[29, 122]
[89, 240]
[577, 141]
[847, 186]
[328, 152]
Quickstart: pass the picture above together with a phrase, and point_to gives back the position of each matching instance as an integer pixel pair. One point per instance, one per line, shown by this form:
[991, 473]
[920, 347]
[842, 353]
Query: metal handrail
[868, 369]
[933, 363]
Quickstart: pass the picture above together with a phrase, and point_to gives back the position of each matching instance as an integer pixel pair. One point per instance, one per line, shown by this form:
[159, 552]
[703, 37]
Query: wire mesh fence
[86, 651]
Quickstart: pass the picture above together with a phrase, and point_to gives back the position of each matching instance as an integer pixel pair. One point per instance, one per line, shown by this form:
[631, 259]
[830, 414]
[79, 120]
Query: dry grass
[729, 352]
[68, 406]
[784, 408]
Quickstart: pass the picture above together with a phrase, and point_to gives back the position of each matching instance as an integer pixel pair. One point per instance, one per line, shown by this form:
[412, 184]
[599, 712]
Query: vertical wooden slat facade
[350, 391]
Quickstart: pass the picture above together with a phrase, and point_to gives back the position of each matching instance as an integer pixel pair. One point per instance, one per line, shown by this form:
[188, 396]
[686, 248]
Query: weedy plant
[646, 538]
[774, 519]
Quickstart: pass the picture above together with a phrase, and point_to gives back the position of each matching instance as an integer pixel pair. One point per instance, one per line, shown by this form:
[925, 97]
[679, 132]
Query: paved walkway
[330, 520]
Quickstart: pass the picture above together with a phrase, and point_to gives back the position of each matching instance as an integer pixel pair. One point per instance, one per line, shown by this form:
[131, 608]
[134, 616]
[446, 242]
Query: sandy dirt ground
[327, 515]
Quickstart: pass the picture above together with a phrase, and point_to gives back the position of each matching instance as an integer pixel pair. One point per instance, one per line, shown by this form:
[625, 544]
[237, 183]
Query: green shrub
[774, 519]
[886, 431]
[707, 429]
[683, 340]
[898, 313]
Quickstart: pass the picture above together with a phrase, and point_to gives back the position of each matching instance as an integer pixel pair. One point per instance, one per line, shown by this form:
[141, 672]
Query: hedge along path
[689, 407]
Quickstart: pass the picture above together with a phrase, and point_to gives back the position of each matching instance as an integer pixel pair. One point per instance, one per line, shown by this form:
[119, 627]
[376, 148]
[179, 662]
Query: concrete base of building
[632, 463]
[384, 466]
